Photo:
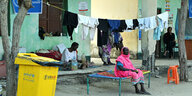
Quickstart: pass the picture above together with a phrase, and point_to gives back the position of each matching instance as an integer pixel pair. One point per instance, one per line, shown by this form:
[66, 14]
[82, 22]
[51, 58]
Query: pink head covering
[124, 59]
[126, 56]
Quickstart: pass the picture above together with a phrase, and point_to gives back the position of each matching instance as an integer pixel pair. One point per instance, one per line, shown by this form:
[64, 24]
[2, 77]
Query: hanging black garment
[41, 33]
[102, 37]
[71, 21]
[103, 25]
[122, 26]
[103, 32]
[135, 23]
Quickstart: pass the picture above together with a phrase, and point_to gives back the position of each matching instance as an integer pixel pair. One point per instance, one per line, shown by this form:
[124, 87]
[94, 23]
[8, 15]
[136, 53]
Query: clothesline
[48, 4]
[72, 20]
[53, 6]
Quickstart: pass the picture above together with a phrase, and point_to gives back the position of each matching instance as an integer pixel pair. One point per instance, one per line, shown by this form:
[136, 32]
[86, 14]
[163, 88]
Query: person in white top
[70, 53]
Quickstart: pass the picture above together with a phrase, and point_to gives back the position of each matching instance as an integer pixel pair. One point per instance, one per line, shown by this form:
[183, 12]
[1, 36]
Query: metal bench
[110, 75]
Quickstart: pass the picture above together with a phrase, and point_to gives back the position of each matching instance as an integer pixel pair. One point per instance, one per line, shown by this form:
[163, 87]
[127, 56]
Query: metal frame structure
[96, 75]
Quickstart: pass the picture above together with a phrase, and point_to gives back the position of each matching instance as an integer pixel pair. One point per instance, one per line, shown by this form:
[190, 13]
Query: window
[51, 19]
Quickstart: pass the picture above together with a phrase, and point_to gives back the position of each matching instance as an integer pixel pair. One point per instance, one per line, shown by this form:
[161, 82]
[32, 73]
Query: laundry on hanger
[93, 23]
[116, 37]
[129, 24]
[164, 17]
[102, 37]
[153, 22]
[103, 25]
[89, 25]
[114, 25]
[141, 23]
[135, 24]
[122, 26]
[103, 32]
[83, 20]
[71, 21]
[147, 23]
[118, 40]
[157, 30]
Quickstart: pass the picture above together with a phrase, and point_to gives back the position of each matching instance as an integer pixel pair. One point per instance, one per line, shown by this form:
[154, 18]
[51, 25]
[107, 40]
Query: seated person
[70, 53]
[169, 40]
[125, 68]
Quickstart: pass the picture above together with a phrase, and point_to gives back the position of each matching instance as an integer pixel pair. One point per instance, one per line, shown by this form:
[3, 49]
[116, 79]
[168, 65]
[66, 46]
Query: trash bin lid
[28, 58]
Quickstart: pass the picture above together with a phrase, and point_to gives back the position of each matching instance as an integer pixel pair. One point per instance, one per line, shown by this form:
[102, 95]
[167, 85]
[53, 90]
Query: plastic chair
[175, 75]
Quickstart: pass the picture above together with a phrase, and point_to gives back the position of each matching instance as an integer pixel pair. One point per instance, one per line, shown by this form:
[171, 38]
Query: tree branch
[18, 21]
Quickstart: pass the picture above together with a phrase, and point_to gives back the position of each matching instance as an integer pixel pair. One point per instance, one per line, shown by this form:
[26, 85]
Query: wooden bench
[110, 75]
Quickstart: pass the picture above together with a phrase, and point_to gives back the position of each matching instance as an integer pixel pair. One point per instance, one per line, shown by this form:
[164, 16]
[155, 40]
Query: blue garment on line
[176, 25]
[116, 37]
[157, 31]
[114, 25]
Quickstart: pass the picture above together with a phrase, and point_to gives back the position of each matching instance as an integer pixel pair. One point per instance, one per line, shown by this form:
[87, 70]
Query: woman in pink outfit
[125, 68]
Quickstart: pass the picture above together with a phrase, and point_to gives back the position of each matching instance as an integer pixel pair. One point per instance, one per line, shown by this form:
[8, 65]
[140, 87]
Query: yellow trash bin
[34, 79]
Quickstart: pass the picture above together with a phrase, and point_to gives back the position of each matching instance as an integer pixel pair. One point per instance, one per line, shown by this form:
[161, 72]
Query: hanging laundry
[129, 24]
[93, 23]
[164, 17]
[135, 24]
[92, 33]
[83, 20]
[122, 26]
[41, 33]
[157, 30]
[141, 23]
[116, 37]
[111, 39]
[118, 40]
[153, 22]
[102, 37]
[177, 24]
[85, 32]
[114, 25]
[71, 21]
[89, 24]
[147, 23]
[103, 25]
[103, 31]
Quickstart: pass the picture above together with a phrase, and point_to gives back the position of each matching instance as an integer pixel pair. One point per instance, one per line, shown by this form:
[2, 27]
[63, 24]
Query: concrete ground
[108, 87]
[159, 87]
